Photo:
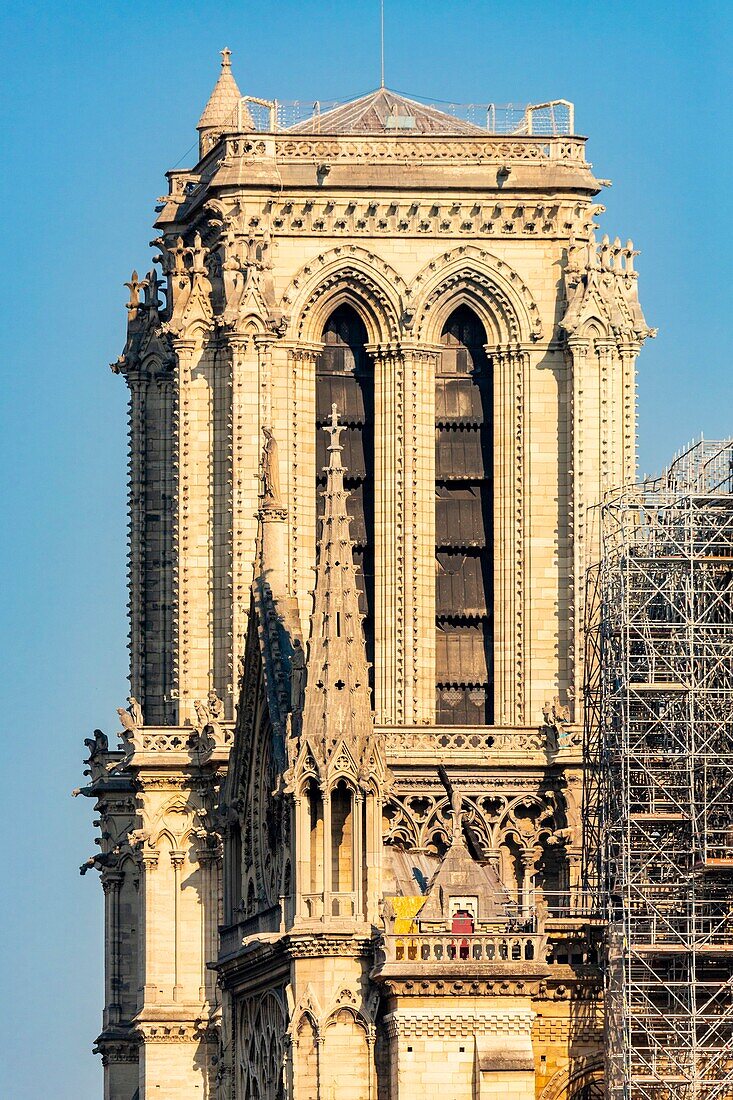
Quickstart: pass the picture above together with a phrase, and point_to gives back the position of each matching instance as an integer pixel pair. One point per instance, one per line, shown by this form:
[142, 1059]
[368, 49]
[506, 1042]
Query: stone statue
[297, 676]
[129, 729]
[203, 717]
[136, 712]
[99, 745]
[456, 802]
[270, 472]
[214, 705]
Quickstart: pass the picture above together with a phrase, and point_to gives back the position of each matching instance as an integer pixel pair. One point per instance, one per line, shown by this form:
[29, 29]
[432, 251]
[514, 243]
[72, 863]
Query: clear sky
[99, 99]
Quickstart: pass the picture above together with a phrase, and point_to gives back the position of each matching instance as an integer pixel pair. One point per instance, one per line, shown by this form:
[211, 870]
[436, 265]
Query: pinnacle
[221, 109]
[336, 652]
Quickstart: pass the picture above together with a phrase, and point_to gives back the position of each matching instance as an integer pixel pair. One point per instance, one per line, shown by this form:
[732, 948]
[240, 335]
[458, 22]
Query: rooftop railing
[556, 118]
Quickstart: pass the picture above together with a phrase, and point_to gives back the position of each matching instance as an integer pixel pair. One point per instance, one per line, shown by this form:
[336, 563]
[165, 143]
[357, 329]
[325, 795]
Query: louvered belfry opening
[463, 523]
[345, 377]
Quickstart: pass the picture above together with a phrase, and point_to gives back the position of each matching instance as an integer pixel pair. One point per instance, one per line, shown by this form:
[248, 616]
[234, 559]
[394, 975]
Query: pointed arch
[583, 1079]
[472, 277]
[346, 1041]
[350, 276]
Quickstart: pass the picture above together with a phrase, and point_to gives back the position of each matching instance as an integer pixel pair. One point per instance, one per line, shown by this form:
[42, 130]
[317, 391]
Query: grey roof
[384, 112]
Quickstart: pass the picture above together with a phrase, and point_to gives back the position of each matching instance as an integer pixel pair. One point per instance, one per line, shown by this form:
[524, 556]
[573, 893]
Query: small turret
[223, 110]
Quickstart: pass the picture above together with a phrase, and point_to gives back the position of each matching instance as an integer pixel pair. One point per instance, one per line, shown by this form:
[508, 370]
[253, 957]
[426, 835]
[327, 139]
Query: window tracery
[261, 1034]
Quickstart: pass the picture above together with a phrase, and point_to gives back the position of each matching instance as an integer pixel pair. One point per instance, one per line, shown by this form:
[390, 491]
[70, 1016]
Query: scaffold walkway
[659, 788]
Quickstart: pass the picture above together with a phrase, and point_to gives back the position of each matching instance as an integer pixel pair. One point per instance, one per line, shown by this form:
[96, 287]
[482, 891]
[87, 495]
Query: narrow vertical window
[464, 505]
[345, 377]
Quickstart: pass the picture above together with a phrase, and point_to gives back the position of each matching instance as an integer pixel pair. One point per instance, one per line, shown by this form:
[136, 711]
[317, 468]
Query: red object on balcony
[462, 923]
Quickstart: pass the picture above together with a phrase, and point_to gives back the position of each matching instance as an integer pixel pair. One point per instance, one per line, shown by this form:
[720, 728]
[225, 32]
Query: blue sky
[99, 100]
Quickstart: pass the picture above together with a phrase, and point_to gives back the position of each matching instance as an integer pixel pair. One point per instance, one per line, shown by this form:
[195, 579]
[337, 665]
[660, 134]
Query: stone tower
[386, 371]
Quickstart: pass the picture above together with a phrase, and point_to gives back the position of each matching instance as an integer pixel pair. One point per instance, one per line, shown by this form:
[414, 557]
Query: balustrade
[495, 947]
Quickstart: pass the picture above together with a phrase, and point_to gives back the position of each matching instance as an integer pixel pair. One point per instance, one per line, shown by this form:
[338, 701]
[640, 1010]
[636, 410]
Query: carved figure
[560, 711]
[297, 676]
[100, 744]
[270, 471]
[136, 712]
[456, 802]
[129, 729]
[203, 716]
[214, 705]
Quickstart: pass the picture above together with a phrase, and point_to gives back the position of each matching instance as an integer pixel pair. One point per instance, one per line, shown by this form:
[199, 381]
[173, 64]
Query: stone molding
[442, 1025]
[194, 1032]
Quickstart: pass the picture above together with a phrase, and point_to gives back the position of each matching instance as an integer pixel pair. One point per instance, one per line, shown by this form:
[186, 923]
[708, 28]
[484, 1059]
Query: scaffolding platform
[658, 795]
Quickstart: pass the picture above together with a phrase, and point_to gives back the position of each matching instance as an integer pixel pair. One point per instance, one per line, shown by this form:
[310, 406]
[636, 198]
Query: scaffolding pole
[659, 782]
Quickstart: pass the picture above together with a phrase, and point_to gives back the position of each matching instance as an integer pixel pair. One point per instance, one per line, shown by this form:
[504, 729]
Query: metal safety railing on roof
[556, 118]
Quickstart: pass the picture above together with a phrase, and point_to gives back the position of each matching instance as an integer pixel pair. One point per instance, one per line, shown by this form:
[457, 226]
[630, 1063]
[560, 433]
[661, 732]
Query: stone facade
[275, 822]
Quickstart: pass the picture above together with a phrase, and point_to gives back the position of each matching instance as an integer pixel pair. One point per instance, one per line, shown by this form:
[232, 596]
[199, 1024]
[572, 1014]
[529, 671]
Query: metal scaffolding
[659, 790]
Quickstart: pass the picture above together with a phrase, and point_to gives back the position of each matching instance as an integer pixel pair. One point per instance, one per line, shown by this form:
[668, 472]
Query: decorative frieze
[356, 217]
[401, 149]
[456, 1025]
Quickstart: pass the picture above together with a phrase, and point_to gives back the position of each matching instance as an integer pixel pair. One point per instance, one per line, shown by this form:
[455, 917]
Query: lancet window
[345, 377]
[463, 505]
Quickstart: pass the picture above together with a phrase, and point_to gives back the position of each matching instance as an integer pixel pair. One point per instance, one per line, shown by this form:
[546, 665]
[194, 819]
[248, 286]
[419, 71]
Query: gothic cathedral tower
[384, 375]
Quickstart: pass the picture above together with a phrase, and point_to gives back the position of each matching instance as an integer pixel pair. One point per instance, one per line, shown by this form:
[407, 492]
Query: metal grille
[659, 798]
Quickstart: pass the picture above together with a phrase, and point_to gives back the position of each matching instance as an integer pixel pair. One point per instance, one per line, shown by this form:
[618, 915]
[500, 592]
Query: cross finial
[334, 429]
[226, 54]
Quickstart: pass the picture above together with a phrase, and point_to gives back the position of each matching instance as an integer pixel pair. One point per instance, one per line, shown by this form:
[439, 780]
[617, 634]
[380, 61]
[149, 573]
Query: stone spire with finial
[337, 701]
[223, 110]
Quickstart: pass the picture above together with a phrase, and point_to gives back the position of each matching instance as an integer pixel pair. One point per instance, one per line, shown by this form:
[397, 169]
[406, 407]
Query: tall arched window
[345, 377]
[463, 503]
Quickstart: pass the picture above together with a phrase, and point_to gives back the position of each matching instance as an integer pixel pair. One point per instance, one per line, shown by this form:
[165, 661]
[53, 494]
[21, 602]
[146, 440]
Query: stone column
[607, 437]
[209, 860]
[137, 380]
[245, 457]
[420, 365]
[192, 540]
[164, 381]
[578, 352]
[509, 364]
[327, 855]
[302, 456]
[357, 853]
[177, 863]
[148, 866]
[529, 867]
[390, 594]
[111, 883]
[301, 833]
[373, 856]
[628, 351]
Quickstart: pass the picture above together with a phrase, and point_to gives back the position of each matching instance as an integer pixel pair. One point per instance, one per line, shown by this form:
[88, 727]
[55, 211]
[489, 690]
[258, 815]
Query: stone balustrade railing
[183, 738]
[494, 947]
[339, 904]
[423, 148]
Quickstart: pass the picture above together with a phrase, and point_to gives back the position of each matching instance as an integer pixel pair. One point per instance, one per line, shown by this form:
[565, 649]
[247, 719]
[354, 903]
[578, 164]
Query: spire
[337, 703]
[222, 111]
